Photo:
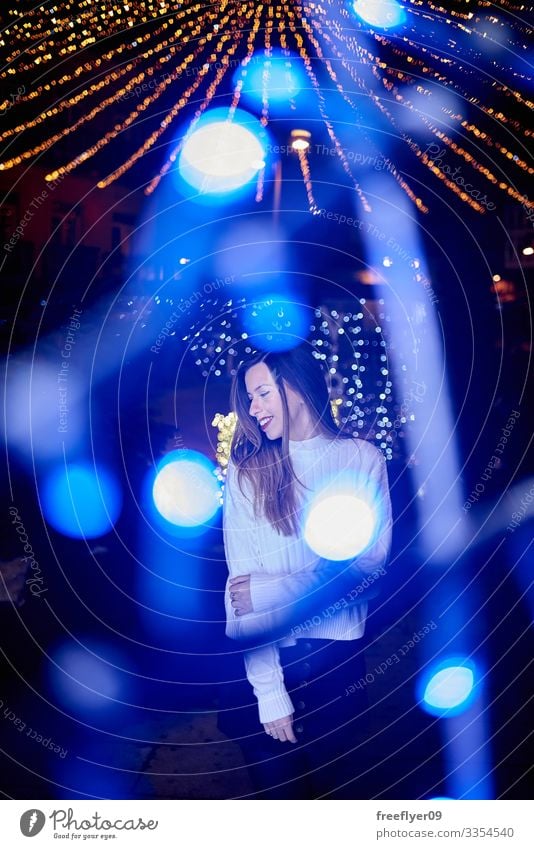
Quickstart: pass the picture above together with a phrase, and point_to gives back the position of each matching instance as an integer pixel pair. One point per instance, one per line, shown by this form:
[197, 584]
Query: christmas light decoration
[353, 344]
[111, 66]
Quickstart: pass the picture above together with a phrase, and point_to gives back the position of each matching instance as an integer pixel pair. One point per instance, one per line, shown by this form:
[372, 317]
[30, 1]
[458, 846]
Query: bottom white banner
[242, 823]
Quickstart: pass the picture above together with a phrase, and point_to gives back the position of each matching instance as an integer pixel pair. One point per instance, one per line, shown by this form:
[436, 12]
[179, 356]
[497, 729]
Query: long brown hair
[266, 463]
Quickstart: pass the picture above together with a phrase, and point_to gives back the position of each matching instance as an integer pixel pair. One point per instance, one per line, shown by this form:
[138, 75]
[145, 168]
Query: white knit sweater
[284, 569]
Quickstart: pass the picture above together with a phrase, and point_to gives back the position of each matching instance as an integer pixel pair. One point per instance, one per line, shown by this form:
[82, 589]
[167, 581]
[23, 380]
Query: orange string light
[322, 108]
[156, 43]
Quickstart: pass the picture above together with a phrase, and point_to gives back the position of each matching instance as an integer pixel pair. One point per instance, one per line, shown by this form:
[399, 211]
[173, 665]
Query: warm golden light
[300, 140]
[160, 59]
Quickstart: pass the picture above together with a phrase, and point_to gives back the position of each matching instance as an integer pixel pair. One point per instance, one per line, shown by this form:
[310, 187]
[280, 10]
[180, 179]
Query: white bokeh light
[449, 687]
[220, 157]
[339, 526]
[380, 13]
[186, 493]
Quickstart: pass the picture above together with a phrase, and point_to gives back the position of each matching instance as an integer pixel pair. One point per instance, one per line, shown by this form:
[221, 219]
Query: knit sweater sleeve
[263, 668]
[275, 596]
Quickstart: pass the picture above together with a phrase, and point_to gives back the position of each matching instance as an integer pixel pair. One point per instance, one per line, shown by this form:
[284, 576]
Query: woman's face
[266, 405]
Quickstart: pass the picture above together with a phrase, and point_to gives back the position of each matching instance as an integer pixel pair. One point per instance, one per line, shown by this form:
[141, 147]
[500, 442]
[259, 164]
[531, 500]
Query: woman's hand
[240, 598]
[281, 729]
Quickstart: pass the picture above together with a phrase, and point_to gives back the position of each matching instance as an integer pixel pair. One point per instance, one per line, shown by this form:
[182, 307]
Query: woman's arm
[266, 676]
[262, 664]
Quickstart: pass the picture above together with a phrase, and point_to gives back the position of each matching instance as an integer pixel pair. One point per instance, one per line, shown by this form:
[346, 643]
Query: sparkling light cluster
[136, 57]
[352, 342]
[225, 430]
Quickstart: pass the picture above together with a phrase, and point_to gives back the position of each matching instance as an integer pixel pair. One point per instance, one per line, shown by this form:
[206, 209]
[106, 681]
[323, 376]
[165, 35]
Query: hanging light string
[112, 77]
[391, 167]
[149, 35]
[266, 72]
[285, 50]
[134, 114]
[444, 19]
[63, 38]
[466, 156]
[306, 176]
[260, 185]
[179, 105]
[322, 109]
[250, 52]
[481, 169]
[90, 66]
[377, 102]
[132, 117]
[426, 70]
[427, 160]
[426, 67]
[260, 181]
[395, 74]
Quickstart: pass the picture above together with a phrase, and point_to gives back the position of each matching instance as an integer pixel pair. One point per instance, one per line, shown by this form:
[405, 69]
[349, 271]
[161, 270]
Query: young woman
[301, 614]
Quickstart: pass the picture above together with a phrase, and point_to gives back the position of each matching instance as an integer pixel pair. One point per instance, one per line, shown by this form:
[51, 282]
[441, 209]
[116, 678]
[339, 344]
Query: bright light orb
[186, 492]
[222, 156]
[383, 14]
[448, 688]
[81, 501]
[339, 526]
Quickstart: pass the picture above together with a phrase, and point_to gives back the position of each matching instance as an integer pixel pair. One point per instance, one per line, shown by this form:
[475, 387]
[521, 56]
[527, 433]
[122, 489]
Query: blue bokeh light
[87, 679]
[382, 14]
[447, 688]
[279, 77]
[221, 156]
[342, 519]
[276, 322]
[81, 501]
[186, 492]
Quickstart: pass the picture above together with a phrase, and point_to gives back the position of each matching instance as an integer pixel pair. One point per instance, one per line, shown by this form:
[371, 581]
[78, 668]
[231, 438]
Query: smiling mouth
[264, 423]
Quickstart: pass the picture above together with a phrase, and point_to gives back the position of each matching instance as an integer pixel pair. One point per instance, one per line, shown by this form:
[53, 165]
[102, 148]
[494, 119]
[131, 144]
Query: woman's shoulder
[238, 485]
[362, 449]
[231, 477]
